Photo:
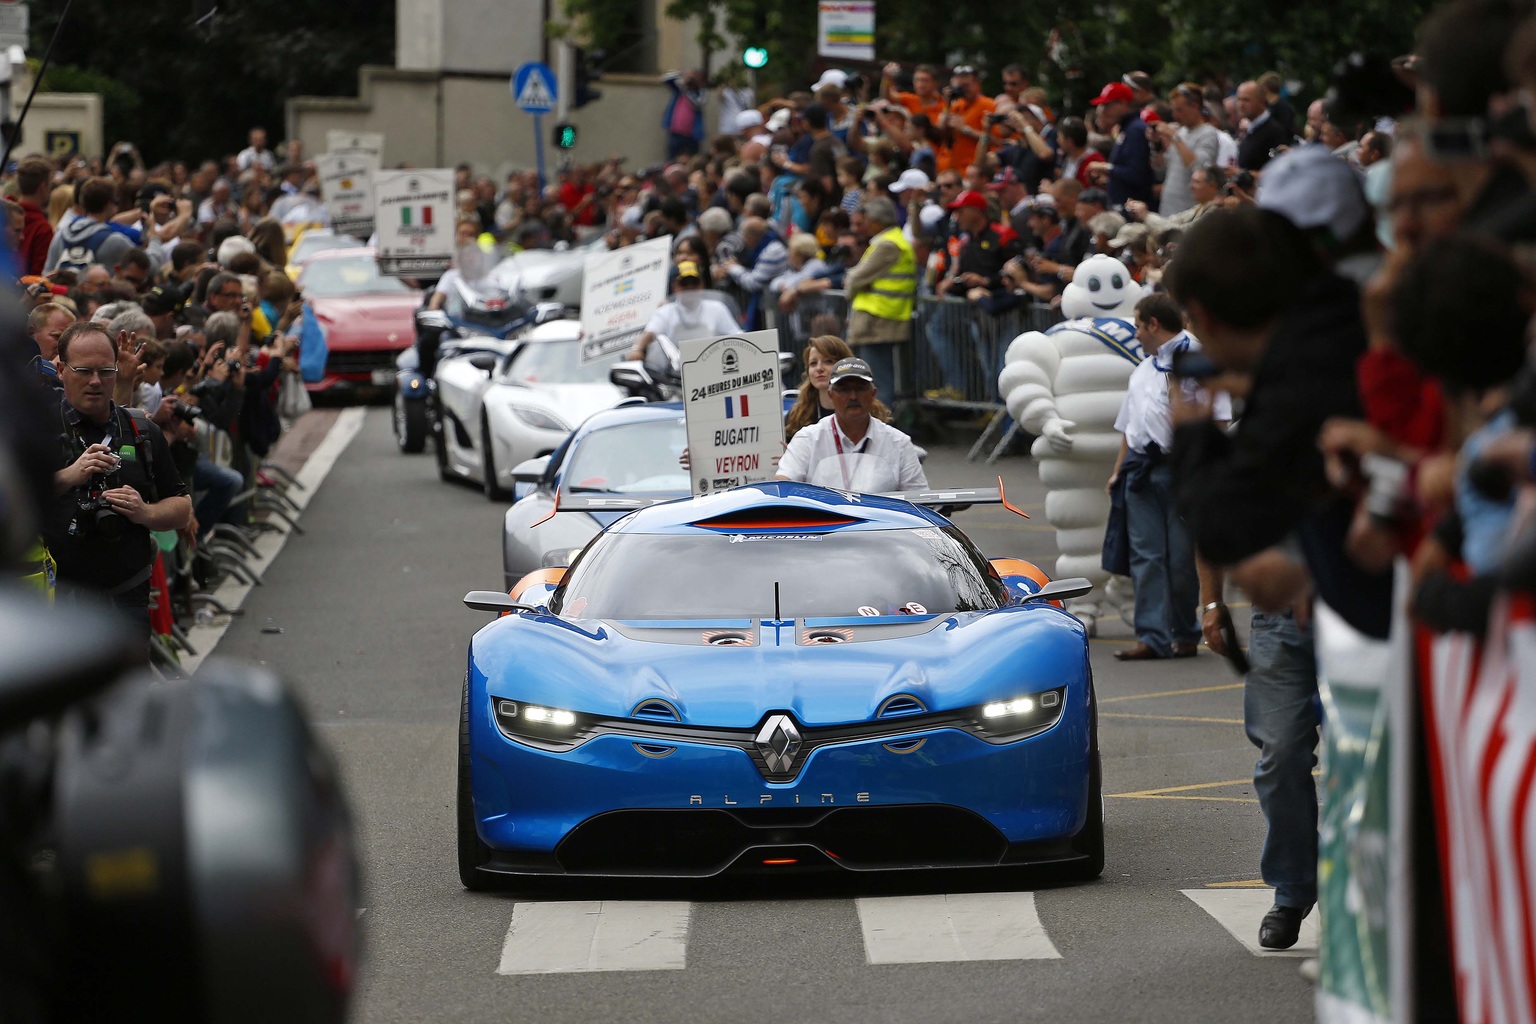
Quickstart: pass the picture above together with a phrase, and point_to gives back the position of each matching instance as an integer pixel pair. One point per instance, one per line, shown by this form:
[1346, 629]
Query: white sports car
[505, 402]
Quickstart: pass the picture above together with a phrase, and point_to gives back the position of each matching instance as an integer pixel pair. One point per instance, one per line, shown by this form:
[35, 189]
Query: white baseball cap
[748, 119]
[831, 76]
[1312, 188]
[931, 216]
[780, 119]
[911, 178]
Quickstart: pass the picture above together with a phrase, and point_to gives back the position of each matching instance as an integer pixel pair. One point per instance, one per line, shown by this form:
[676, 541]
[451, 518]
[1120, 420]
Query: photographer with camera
[115, 482]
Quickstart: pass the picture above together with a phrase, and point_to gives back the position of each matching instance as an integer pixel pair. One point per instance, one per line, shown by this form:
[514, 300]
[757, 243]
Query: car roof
[780, 505]
[626, 414]
[342, 252]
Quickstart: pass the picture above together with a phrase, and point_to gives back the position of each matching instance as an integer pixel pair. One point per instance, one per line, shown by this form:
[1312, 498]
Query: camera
[1241, 181]
[994, 118]
[94, 515]
[1386, 487]
[186, 413]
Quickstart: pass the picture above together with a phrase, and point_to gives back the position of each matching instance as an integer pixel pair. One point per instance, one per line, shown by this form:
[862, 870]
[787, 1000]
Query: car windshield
[732, 576]
[312, 243]
[358, 276]
[633, 458]
[556, 362]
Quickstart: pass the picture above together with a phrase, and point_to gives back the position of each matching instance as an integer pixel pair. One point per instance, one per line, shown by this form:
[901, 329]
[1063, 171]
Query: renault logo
[779, 743]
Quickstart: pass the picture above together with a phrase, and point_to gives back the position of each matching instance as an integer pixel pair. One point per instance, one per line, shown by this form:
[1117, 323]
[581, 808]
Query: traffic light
[588, 69]
[565, 135]
[755, 57]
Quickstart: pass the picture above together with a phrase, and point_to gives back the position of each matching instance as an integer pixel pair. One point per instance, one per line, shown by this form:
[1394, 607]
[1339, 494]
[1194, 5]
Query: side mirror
[530, 471]
[1062, 590]
[630, 375]
[544, 312]
[485, 362]
[494, 601]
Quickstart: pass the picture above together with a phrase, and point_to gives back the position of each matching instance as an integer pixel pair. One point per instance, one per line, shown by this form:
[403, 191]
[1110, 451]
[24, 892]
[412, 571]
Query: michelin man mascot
[1065, 386]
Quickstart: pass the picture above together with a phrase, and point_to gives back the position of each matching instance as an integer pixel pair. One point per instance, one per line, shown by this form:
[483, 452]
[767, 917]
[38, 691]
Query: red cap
[970, 197]
[1150, 116]
[1114, 92]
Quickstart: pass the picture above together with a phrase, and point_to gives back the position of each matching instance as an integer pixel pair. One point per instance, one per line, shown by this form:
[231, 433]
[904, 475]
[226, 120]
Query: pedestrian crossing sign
[533, 87]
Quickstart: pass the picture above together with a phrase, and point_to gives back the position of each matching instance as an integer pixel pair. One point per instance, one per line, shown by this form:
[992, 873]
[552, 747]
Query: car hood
[571, 402]
[392, 309]
[947, 661]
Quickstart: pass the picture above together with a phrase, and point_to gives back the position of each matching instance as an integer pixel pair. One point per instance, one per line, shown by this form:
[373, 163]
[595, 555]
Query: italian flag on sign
[407, 213]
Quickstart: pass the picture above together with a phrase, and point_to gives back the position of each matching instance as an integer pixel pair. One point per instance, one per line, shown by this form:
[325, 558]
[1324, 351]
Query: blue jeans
[1162, 563]
[1280, 716]
[882, 363]
[217, 485]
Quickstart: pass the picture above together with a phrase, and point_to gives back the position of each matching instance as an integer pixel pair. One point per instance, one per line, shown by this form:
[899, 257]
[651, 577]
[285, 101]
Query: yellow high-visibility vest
[39, 570]
[891, 295]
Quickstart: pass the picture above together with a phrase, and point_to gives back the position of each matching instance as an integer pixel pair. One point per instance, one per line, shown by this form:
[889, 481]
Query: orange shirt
[914, 104]
[963, 149]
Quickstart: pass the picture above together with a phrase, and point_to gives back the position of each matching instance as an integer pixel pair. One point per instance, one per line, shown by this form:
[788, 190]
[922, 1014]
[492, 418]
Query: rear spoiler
[953, 498]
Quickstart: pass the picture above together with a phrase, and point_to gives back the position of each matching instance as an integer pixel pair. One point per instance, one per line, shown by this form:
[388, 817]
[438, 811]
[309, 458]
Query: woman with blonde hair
[814, 404]
[59, 200]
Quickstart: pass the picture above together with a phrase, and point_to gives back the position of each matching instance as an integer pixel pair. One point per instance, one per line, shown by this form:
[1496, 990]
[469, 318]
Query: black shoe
[1281, 927]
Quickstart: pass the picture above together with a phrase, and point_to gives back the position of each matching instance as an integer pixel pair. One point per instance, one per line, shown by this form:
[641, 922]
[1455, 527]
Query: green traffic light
[755, 56]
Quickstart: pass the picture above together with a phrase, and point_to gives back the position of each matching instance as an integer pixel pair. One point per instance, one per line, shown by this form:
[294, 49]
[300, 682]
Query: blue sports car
[773, 677]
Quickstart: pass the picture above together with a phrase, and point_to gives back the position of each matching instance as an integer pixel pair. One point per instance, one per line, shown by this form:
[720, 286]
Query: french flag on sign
[735, 405]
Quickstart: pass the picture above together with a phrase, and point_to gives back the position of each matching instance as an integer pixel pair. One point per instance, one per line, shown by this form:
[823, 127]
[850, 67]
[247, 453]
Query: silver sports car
[500, 411]
[632, 450]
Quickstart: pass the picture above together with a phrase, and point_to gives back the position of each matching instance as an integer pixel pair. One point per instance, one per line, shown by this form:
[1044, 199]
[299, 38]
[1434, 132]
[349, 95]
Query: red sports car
[367, 319]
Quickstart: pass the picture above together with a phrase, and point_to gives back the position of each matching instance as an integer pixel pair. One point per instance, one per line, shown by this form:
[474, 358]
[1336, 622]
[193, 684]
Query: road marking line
[596, 935]
[1171, 718]
[1240, 911]
[1171, 693]
[269, 545]
[950, 928]
[1185, 789]
[1247, 883]
[1202, 799]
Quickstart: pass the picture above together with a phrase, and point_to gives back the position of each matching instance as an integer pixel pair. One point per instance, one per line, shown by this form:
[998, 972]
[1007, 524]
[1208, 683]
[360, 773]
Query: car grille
[706, 841]
[360, 362]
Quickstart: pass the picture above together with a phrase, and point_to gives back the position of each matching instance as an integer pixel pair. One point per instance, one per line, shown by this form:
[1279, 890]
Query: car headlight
[539, 418]
[539, 724]
[1019, 716]
[559, 558]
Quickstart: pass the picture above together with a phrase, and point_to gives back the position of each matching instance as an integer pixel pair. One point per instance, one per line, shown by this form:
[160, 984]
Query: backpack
[82, 254]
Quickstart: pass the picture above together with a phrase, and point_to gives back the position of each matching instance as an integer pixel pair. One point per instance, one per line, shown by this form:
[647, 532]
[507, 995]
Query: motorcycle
[477, 310]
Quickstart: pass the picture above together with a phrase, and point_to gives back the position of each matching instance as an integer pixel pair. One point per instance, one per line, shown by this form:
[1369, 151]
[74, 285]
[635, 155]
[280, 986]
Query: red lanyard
[838, 440]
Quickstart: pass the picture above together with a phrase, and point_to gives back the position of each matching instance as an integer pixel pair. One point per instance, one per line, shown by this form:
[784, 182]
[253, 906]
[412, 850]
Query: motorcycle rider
[466, 234]
[690, 315]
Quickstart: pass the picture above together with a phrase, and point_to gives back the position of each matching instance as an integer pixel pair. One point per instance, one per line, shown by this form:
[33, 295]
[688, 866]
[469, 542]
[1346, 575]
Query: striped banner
[1480, 706]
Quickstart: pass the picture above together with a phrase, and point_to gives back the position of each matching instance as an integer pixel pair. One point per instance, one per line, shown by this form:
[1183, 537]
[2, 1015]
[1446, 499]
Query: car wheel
[493, 490]
[472, 852]
[1090, 841]
[410, 425]
[440, 449]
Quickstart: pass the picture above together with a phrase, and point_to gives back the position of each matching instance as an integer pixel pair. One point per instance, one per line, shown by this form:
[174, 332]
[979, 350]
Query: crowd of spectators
[165, 330]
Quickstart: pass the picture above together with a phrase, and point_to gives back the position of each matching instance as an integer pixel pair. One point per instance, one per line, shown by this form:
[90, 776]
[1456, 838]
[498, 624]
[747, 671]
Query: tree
[186, 93]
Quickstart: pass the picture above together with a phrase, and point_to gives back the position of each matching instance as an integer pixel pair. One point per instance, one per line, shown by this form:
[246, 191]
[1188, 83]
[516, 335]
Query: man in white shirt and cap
[690, 315]
[850, 449]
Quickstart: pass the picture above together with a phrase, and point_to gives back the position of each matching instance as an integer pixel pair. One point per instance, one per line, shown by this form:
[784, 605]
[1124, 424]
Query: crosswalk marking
[596, 935]
[948, 928]
[1239, 911]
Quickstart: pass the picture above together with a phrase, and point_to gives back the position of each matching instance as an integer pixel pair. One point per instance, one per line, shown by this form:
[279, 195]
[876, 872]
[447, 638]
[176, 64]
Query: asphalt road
[373, 635]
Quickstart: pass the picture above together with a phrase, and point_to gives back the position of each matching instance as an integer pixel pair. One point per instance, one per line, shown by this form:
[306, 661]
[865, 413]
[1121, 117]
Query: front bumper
[610, 806]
